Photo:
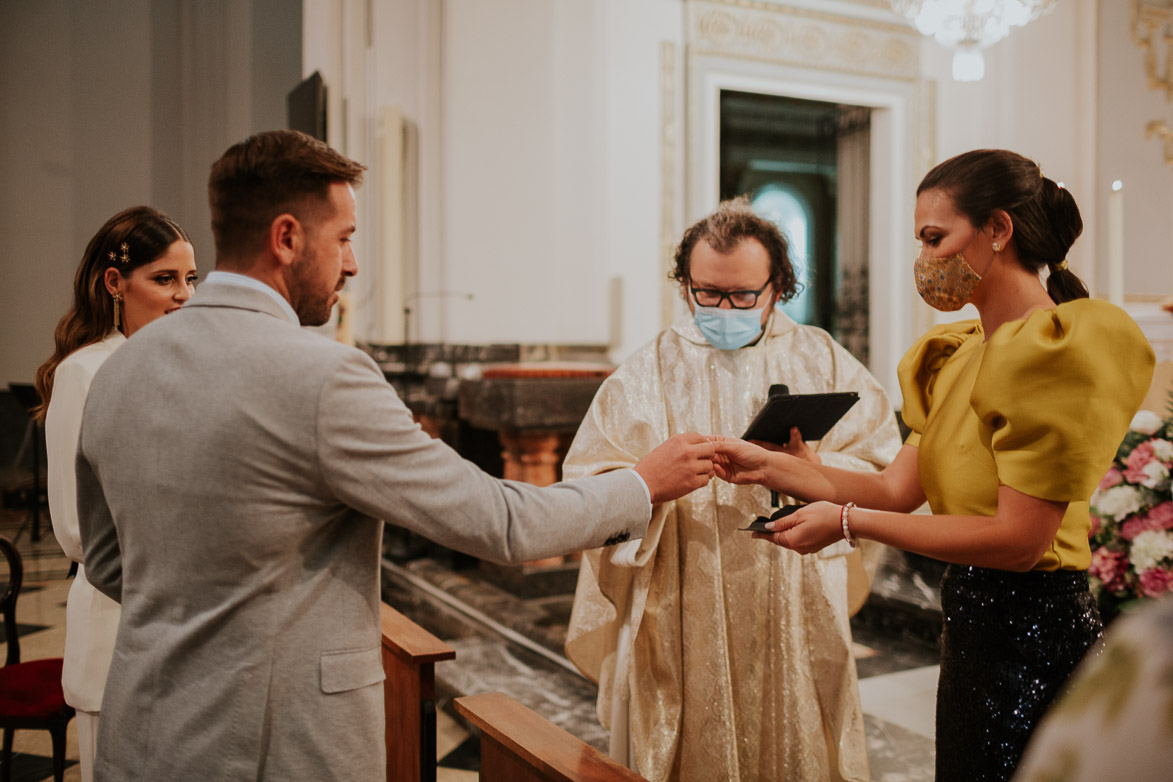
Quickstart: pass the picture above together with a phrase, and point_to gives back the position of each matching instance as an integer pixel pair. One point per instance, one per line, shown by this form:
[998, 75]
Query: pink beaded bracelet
[846, 526]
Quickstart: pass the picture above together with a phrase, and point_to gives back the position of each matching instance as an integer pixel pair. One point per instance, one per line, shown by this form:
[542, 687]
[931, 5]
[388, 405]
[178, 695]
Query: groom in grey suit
[234, 473]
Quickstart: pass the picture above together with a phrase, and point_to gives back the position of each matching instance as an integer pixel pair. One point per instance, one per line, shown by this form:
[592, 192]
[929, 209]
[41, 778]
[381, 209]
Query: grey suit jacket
[233, 470]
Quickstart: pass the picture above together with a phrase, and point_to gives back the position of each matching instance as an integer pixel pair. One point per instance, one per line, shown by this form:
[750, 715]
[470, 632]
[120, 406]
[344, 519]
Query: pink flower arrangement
[1155, 582]
[1140, 458]
[1108, 567]
[1132, 519]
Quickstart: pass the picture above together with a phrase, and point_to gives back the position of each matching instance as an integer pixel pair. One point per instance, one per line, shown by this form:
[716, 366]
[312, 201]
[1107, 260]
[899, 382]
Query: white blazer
[91, 618]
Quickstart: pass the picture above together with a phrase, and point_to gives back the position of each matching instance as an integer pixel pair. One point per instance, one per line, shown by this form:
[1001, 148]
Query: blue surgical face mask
[728, 329]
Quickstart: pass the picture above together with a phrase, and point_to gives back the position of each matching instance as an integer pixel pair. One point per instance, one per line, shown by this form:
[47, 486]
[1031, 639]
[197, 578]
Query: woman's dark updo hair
[1045, 216]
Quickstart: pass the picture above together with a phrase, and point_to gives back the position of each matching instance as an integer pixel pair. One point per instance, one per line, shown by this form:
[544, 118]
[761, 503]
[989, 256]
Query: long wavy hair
[147, 234]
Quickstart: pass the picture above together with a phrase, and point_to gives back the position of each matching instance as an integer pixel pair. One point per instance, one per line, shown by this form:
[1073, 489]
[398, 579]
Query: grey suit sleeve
[376, 459]
[99, 537]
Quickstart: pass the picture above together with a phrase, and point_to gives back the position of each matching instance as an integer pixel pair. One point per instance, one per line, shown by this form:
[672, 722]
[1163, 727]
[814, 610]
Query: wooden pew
[519, 745]
[409, 657]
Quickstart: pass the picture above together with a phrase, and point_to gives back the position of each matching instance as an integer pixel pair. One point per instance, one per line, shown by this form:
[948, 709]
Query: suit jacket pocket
[349, 670]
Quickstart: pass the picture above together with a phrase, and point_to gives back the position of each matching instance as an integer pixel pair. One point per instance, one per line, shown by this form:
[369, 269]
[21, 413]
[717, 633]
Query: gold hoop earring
[117, 297]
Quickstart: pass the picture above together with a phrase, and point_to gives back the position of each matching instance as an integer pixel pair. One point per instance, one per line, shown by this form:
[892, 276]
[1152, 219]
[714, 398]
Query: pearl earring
[997, 247]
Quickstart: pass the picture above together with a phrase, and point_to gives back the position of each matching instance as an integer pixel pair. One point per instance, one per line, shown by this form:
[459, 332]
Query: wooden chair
[409, 657]
[30, 693]
[519, 745]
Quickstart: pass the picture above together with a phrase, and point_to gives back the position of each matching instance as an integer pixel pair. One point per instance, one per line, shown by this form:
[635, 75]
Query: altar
[510, 409]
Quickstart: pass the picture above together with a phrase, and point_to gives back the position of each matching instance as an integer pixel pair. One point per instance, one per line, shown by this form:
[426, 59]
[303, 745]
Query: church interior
[532, 165]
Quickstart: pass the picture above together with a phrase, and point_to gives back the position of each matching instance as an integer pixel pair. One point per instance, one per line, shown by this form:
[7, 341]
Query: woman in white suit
[139, 266]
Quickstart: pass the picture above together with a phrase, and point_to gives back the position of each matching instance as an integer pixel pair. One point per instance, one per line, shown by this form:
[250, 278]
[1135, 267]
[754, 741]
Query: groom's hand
[677, 466]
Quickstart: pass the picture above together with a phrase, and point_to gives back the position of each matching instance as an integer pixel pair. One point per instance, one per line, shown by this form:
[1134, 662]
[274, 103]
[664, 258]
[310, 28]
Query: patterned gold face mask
[945, 283]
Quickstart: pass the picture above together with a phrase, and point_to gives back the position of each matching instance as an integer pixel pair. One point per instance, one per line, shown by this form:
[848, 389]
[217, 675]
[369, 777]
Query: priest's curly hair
[732, 222]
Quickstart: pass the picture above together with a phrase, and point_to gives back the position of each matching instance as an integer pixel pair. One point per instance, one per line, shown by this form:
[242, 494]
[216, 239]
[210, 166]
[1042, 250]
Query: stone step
[503, 644]
[905, 601]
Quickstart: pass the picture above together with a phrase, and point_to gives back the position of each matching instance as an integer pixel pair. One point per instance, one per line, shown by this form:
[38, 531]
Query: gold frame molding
[1156, 21]
[826, 16]
[1161, 130]
[775, 33]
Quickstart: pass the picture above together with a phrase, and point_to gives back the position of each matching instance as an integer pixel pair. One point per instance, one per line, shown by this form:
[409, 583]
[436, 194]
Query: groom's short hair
[269, 174]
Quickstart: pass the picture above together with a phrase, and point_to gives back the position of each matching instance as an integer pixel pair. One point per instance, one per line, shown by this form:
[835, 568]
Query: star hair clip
[124, 258]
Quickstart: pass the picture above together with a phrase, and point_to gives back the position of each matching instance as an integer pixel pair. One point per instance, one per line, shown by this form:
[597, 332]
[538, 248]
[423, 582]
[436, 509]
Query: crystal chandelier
[970, 26]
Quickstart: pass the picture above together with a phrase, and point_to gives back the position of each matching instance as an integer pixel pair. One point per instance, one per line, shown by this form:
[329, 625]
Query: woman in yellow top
[1015, 417]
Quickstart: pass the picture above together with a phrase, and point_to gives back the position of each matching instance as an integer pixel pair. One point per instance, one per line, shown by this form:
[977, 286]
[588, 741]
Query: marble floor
[897, 672]
[898, 718]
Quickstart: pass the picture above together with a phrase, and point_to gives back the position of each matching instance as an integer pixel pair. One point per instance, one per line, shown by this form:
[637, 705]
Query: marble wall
[562, 135]
[551, 170]
[111, 104]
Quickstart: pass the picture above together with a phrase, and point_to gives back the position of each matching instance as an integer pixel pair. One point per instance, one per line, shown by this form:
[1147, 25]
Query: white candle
[1116, 244]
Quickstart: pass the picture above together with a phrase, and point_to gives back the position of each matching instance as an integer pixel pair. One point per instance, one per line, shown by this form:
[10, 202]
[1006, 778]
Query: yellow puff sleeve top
[1041, 407]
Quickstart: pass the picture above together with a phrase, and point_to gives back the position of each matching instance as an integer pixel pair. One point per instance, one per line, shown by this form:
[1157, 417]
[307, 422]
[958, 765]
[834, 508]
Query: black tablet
[813, 414]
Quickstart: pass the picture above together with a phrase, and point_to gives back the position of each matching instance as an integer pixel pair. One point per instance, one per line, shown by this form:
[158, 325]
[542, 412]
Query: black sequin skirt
[1009, 643]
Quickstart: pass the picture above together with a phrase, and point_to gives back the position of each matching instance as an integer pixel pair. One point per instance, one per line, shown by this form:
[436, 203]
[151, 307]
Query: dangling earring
[117, 310]
[997, 247]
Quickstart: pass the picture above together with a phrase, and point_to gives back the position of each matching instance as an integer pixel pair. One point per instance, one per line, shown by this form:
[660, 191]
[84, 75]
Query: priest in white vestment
[719, 657]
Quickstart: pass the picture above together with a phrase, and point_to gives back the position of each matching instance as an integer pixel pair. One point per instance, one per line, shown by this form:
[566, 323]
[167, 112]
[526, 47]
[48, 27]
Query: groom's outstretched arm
[376, 459]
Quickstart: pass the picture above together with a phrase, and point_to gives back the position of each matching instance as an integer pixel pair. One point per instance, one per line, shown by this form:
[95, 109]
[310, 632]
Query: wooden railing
[409, 657]
[519, 745]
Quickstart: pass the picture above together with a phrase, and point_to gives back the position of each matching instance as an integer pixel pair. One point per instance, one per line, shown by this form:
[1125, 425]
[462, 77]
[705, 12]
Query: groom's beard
[311, 300]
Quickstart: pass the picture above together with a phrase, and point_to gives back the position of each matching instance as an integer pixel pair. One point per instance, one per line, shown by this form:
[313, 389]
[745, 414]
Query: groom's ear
[286, 239]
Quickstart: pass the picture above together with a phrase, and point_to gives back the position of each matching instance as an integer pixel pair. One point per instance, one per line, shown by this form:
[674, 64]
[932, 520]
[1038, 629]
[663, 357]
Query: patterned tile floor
[897, 675]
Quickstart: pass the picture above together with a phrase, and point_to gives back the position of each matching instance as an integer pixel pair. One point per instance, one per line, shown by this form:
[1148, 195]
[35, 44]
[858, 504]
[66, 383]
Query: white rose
[1162, 449]
[1117, 502]
[1157, 476]
[1149, 548]
[1146, 422]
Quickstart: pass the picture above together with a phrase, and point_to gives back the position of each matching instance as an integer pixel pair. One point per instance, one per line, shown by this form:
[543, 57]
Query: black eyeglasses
[738, 300]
